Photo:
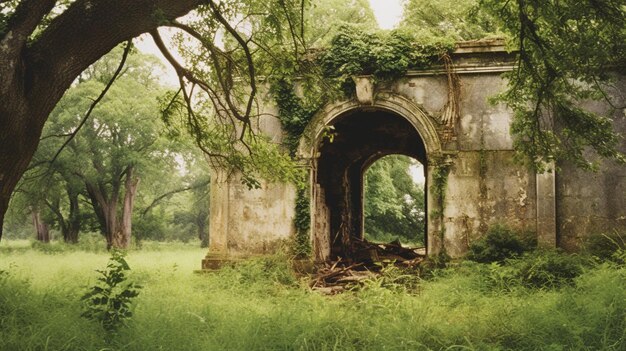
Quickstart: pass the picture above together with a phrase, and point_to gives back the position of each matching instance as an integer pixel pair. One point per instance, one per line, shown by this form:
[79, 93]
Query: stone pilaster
[546, 209]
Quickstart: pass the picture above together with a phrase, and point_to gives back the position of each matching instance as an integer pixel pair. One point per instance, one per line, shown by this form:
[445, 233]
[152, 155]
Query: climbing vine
[294, 113]
[440, 172]
[302, 222]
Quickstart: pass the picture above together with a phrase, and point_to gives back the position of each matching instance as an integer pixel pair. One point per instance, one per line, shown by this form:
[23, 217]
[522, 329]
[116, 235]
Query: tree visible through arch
[394, 201]
[362, 135]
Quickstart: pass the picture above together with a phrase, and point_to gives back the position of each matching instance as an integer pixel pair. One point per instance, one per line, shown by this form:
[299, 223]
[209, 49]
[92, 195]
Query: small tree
[109, 301]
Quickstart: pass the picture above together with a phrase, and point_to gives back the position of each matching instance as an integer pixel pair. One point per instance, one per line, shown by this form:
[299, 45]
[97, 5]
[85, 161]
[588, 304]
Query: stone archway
[361, 134]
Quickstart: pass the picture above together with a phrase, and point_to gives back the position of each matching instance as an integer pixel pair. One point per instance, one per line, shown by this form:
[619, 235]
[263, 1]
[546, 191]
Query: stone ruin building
[484, 184]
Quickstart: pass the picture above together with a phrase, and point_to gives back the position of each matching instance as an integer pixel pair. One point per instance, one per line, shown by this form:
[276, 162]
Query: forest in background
[124, 172]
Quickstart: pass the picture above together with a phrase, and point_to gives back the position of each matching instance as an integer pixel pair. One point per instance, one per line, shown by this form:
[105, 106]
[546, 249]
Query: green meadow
[262, 305]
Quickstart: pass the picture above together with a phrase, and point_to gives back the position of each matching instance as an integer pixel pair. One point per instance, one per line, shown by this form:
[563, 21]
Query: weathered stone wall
[485, 186]
[591, 203]
[244, 221]
[254, 220]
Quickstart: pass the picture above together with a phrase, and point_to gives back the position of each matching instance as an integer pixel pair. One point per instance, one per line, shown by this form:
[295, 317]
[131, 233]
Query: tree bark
[105, 205]
[122, 237]
[34, 77]
[73, 219]
[43, 232]
[70, 226]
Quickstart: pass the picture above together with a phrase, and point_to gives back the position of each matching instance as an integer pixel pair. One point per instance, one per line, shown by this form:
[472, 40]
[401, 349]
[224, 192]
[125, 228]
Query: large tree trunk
[97, 201]
[121, 239]
[34, 77]
[110, 212]
[55, 207]
[117, 233]
[70, 226]
[203, 230]
[43, 232]
[73, 220]
[18, 142]
[105, 208]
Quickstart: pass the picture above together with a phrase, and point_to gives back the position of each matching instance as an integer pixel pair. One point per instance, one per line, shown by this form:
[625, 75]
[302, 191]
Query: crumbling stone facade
[484, 185]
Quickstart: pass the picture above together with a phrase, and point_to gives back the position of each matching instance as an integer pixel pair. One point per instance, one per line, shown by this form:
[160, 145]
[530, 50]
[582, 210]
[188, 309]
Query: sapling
[109, 301]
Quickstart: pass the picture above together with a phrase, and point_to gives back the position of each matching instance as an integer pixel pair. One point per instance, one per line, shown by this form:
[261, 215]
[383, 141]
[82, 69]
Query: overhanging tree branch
[170, 193]
[244, 45]
[25, 19]
[96, 101]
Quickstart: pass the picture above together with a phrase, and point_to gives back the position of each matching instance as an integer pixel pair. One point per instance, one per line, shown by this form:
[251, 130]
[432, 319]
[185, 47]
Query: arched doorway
[348, 144]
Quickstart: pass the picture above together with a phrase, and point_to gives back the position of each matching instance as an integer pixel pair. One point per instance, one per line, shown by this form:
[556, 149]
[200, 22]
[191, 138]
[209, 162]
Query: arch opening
[360, 137]
[394, 201]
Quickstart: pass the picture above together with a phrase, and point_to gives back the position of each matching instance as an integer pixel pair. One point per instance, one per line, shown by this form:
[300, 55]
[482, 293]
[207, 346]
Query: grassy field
[261, 305]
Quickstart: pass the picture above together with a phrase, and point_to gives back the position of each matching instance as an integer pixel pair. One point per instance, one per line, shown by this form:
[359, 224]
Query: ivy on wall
[440, 172]
[294, 113]
[302, 222]
[385, 55]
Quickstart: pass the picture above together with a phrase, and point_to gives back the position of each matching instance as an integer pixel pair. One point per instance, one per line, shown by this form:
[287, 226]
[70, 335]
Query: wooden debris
[367, 260]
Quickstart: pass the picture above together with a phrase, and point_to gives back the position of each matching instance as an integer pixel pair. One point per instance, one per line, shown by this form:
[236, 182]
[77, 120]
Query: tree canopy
[122, 144]
[458, 19]
[394, 205]
[567, 54]
[48, 44]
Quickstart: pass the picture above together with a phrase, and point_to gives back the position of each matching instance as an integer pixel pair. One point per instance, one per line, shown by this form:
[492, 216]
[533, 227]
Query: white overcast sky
[387, 12]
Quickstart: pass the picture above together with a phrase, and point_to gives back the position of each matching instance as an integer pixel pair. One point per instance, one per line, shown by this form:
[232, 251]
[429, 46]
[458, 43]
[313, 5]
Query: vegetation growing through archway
[394, 204]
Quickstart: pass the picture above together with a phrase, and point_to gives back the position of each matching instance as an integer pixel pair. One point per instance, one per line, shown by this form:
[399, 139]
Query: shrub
[500, 243]
[109, 302]
[607, 247]
[548, 269]
[536, 270]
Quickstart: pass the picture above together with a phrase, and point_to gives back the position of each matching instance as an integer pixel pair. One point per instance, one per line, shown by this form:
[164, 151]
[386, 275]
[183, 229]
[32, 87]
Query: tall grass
[261, 305]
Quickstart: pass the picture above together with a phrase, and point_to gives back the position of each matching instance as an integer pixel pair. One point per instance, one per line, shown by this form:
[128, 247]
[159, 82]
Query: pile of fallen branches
[366, 262]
